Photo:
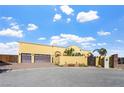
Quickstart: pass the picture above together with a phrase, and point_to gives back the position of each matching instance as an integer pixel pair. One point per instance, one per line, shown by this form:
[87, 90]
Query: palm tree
[102, 52]
[69, 52]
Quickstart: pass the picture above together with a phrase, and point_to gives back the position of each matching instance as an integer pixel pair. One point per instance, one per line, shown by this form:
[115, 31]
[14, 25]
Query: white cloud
[42, 38]
[9, 48]
[64, 39]
[88, 45]
[101, 44]
[87, 16]
[13, 29]
[119, 41]
[116, 50]
[77, 38]
[115, 29]
[55, 37]
[59, 42]
[6, 18]
[12, 23]
[32, 27]
[57, 17]
[66, 9]
[55, 9]
[11, 33]
[68, 20]
[103, 33]
[14, 26]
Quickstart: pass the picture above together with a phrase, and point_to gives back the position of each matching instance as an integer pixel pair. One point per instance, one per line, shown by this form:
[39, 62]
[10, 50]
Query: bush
[61, 65]
[82, 65]
[71, 65]
[57, 64]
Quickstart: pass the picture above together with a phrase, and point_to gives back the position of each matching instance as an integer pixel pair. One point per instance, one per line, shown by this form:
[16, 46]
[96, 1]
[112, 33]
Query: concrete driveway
[63, 77]
[15, 66]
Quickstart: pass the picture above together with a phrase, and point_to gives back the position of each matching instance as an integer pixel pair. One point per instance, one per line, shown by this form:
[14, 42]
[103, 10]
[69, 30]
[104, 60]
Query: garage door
[26, 58]
[38, 58]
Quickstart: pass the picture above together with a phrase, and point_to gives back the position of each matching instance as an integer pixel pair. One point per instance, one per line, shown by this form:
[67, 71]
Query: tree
[69, 52]
[101, 51]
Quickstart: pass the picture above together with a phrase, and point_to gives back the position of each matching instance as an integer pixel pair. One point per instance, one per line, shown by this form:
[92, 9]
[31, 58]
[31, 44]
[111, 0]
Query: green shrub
[57, 64]
[82, 65]
[61, 65]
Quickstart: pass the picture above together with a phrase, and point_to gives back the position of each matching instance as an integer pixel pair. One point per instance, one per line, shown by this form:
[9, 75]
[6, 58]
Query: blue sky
[88, 27]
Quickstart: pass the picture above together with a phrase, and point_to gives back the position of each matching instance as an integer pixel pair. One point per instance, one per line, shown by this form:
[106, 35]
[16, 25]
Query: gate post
[115, 59]
[106, 62]
[19, 58]
[32, 58]
[96, 61]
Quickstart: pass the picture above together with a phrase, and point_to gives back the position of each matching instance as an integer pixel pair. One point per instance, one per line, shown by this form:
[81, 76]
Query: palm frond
[96, 50]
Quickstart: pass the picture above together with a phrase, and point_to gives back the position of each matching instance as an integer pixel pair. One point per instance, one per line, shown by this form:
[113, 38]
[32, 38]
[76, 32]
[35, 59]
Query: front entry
[91, 61]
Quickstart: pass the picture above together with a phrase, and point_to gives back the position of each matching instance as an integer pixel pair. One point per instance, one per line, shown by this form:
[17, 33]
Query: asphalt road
[63, 77]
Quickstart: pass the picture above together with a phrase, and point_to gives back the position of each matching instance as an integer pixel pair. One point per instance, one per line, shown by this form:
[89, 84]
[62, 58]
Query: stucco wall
[55, 60]
[97, 61]
[64, 60]
[45, 49]
[38, 49]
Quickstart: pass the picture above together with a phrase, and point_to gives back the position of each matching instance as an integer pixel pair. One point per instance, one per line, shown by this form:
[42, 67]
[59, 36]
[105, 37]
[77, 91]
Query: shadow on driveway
[4, 70]
[2, 63]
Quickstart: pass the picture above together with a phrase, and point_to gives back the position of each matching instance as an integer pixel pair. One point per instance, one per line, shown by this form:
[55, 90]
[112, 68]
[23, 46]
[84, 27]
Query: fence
[8, 58]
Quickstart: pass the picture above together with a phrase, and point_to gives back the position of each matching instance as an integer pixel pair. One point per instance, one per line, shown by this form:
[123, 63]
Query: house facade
[37, 53]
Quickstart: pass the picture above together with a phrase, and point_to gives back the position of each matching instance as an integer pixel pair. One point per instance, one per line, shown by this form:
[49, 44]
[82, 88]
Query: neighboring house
[37, 53]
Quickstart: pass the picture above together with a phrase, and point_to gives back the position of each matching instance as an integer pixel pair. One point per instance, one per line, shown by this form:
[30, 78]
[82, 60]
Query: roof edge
[40, 44]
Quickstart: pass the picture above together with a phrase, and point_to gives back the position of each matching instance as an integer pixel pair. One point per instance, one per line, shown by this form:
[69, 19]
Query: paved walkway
[63, 77]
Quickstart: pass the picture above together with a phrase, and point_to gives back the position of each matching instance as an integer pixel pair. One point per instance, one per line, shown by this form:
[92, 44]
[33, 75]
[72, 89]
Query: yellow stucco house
[36, 53]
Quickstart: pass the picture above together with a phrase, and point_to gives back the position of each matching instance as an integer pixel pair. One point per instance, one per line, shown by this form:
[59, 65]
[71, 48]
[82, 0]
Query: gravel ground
[63, 77]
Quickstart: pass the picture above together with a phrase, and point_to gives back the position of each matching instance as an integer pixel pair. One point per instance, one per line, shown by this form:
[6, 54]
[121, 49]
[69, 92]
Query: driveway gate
[91, 60]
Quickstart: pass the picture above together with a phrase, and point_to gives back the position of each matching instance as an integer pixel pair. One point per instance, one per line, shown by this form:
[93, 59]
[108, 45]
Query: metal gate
[91, 61]
[38, 58]
[26, 58]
